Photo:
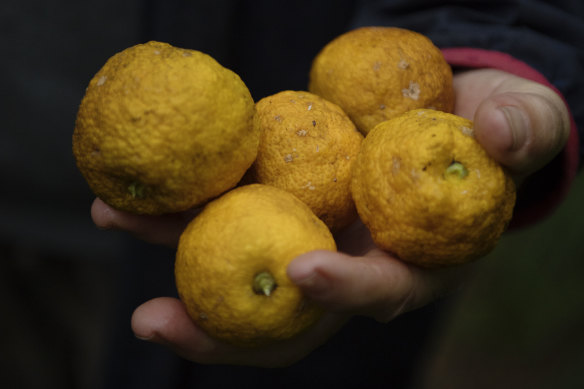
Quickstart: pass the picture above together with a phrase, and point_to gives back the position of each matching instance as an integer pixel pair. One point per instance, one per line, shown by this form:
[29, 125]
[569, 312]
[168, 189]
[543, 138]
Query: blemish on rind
[301, 132]
[101, 80]
[309, 186]
[467, 131]
[278, 118]
[403, 64]
[412, 91]
[396, 165]
[288, 158]
[414, 174]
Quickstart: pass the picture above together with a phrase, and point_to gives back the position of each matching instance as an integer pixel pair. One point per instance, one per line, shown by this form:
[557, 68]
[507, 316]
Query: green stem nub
[136, 190]
[456, 170]
[264, 283]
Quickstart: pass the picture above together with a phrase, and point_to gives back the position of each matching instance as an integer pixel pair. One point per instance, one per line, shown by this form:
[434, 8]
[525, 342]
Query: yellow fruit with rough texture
[162, 129]
[231, 265]
[428, 191]
[376, 73]
[307, 147]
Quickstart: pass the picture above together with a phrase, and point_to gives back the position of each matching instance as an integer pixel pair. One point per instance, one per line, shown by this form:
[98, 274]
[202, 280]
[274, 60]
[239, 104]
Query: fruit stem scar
[136, 190]
[264, 283]
[456, 170]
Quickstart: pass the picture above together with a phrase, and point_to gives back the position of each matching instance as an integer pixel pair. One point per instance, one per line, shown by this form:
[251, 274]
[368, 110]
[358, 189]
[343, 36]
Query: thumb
[523, 126]
[376, 285]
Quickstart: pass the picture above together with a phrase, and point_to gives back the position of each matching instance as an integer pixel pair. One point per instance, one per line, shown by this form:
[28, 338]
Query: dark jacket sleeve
[537, 40]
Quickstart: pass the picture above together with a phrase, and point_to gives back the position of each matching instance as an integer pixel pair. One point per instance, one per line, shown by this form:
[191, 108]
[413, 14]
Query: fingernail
[309, 280]
[153, 338]
[517, 125]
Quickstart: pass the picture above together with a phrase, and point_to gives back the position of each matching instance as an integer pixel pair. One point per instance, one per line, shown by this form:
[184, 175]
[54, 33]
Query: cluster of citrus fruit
[163, 129]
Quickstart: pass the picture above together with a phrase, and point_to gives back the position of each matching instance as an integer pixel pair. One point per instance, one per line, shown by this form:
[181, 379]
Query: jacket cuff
[547, 188]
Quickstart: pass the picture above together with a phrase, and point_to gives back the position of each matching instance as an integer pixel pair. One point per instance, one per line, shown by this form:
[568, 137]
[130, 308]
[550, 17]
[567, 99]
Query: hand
[521, 124]
[375, 284]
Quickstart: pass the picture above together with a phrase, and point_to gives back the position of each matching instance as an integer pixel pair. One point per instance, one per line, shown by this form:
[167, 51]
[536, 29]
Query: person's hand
[358, 280]
[523, 125]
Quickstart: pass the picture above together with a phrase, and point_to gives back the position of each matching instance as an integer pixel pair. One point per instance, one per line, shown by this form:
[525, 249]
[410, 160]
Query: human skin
[520, 123]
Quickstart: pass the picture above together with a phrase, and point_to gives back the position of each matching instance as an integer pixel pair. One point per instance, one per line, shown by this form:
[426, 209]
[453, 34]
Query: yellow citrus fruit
[230, 267]
[428, 191]
[162, 129]
[376, 73]
[307, 146]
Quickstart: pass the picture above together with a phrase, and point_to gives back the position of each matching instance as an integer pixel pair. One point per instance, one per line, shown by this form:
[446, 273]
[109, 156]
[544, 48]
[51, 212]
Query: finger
[523, 131]
[165, 321]
[165, 229]
[521, 123]
[376, 285]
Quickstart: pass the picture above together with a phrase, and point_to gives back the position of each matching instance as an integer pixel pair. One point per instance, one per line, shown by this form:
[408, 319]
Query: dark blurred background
[67, 289]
